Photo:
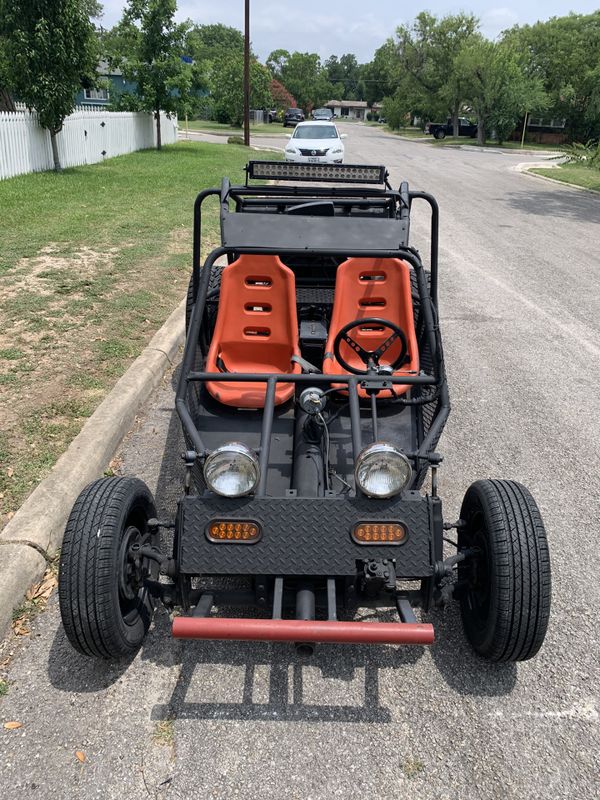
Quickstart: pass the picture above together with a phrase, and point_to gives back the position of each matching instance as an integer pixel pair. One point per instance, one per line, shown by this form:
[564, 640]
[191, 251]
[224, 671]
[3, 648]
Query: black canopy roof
[283, 232]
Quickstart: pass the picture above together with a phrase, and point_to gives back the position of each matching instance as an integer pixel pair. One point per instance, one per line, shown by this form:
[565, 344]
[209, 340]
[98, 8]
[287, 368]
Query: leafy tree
[381, 76]
[147, 45]
[280, 97]
[50, 46]
[227, 88]
[6, 100]
[408, 101]
[210, 46]
[209, 42]
[345, 71]
[564, 53]
[303, 76]
[497, 87]
[276, 63]
[351, 75]
[427, 52]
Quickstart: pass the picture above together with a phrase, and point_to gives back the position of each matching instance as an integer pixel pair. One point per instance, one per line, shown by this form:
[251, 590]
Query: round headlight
[382, 470]
[232, 470]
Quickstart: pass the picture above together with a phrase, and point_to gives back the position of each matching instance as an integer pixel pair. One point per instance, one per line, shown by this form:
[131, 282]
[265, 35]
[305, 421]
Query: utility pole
[247, 73]
[524, 129]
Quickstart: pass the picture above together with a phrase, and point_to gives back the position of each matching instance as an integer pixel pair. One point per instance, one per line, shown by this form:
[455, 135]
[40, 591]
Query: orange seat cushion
[372, 287]
[256, 330]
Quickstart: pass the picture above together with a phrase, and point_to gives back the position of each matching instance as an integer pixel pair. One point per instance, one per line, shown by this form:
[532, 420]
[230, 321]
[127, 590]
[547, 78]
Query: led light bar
[337, 173]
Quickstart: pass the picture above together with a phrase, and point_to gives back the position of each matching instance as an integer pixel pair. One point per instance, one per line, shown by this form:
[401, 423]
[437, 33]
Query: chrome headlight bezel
[236, 452]
[384, 452]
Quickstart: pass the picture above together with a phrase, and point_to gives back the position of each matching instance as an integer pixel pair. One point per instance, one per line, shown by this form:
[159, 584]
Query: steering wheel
[370, 358]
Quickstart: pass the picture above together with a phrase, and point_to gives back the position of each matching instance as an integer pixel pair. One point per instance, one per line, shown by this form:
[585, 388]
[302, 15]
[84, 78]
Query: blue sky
[350, 26]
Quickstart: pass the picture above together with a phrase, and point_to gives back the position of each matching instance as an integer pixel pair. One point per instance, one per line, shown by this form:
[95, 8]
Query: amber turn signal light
[379, 533]
[233, 530]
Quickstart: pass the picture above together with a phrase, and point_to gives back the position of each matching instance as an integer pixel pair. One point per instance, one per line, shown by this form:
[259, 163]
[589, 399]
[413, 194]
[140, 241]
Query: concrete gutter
[35, 532]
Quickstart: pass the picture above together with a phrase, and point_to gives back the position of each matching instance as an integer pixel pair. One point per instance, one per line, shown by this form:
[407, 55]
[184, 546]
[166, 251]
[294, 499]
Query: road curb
[182, 134]
[36, 530]
[525, 171]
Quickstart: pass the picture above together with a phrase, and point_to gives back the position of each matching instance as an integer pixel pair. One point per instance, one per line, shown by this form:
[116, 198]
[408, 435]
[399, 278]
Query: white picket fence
[89, 135]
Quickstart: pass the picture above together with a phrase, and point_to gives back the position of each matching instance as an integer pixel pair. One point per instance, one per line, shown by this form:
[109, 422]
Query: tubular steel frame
[273, 195]
[305, 628]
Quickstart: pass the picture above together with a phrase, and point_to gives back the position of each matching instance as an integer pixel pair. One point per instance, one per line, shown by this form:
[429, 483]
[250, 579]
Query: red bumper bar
[297, 630]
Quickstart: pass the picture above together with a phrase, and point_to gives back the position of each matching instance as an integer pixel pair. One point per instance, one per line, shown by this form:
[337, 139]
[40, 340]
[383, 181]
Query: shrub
[588, 155]
[235, 140]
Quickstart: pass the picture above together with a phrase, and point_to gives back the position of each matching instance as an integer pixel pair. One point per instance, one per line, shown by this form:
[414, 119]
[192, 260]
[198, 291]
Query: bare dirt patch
[69, 324]
[38, 274]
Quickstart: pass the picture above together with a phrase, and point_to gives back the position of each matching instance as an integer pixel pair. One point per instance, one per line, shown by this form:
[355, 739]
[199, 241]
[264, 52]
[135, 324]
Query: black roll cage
[276, 196]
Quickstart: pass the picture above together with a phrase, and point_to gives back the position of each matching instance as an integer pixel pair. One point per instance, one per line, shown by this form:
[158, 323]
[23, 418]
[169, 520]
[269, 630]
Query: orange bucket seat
[372, 287]
[256, 330]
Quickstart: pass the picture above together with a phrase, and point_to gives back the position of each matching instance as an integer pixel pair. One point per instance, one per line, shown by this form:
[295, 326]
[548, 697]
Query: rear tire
[214, 283]
[416, 297]
[106, 611]
[440, 134]
[505, 600]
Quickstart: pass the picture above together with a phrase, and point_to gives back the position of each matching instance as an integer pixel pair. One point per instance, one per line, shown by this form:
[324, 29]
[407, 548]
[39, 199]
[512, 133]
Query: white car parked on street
[315, 143]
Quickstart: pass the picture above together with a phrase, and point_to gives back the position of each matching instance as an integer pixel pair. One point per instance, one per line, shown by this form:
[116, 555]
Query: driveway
[520, 313]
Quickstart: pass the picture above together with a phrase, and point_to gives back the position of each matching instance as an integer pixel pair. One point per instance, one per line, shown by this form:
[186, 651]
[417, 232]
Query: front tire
[506, 586]
[106, 610]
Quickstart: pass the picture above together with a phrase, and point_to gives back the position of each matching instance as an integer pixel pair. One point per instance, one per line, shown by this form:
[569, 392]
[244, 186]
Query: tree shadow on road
[558, 203]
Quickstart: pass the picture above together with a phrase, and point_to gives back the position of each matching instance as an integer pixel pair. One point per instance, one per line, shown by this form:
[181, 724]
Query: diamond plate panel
[304, 536]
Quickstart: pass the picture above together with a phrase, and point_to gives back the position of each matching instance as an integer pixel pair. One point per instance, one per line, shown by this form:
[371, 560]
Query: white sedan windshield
[316, 132]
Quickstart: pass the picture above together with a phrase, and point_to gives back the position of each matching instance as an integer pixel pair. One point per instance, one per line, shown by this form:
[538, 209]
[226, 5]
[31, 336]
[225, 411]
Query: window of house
[96, 94]
[538, 122]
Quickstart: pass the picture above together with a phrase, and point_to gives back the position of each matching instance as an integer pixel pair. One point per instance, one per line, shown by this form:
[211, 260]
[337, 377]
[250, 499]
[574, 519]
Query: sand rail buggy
[312, 396]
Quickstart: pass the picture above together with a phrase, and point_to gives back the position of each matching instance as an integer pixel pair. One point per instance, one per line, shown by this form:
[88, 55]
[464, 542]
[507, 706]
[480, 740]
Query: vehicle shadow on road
[70, 672]
[268, 681]
[556, 203]
[462, 670]
[261, 681]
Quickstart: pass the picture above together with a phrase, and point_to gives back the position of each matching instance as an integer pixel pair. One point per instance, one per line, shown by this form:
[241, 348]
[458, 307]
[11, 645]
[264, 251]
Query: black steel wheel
[105, 608]
[441, 134]
[505, 586]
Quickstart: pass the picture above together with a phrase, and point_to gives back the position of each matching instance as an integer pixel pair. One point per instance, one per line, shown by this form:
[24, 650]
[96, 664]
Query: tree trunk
[6, 101]
[455, 125]
[158, 139]
[481, 131]
[54, 143]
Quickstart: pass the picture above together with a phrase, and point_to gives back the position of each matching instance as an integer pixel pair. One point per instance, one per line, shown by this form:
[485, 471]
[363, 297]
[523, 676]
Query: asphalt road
[520, 310]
